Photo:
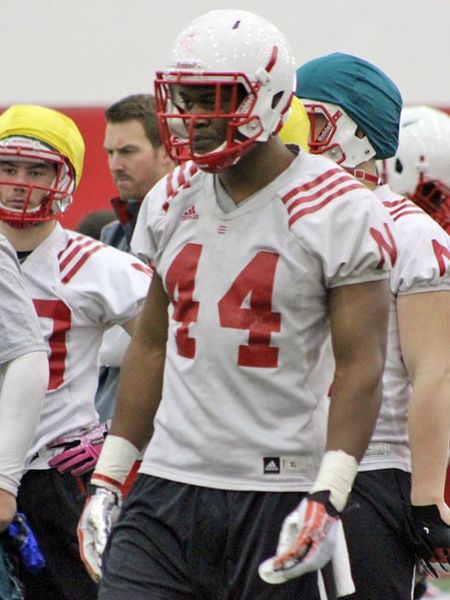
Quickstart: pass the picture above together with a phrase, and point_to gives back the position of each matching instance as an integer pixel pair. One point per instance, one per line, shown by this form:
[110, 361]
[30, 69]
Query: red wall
[96, 187]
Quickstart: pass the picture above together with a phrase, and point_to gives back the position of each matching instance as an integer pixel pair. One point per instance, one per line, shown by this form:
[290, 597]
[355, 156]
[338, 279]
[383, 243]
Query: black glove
[432, 537]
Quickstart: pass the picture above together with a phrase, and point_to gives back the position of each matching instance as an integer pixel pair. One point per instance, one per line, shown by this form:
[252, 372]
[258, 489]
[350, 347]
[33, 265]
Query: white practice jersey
[79, 287]
[19, 327]
[249, 318]
[423, 265]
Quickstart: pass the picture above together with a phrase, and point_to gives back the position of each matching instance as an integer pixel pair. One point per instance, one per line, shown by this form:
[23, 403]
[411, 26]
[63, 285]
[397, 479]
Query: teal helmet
[360, 104]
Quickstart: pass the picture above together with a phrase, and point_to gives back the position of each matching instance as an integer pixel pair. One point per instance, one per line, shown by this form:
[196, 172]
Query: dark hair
[93, 223]
[140, 107]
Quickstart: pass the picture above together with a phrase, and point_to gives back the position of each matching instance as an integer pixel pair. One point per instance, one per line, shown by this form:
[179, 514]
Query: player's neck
[29, 238]
[367, 173]
[256, 169]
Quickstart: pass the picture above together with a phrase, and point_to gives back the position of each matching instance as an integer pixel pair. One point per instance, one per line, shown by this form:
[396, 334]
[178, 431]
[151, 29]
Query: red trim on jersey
[312, 184]
[178, 180]
[323, 190]
[182, 176]
[169, 185]
[77, 249]
[74, 270]
[306, 211]
[440, 252]
[393, 203]
[412, 211]
[148, 270]
[401, 208]
[69, 243]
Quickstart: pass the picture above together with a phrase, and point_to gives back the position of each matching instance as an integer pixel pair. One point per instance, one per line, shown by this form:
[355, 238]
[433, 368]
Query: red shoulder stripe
[77, 266]
[303, 199]
[311, 184]
[403, 213]
[179, 179]
[76, 250]
[306, 211]
[402, 207]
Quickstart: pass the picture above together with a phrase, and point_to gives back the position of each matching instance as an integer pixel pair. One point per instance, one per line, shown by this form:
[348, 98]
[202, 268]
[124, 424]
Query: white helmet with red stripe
[421, 166]
[231, 49]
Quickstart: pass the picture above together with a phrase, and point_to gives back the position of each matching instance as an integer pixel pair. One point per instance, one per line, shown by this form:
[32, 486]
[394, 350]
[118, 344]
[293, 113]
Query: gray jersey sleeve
[19, 325]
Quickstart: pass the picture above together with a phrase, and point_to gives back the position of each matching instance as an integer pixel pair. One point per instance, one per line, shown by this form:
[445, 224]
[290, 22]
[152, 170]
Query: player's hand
[79, 454]
[99, 514]
[433, 537]
[21, 541]
[306, 542]
[8, 507]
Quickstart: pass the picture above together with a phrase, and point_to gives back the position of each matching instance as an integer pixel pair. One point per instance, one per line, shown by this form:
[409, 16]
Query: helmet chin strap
[361, 174]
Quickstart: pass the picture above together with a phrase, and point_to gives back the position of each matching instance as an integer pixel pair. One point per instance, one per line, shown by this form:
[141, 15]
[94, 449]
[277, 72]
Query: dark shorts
[181, 542]
[379, 537]
[53, 504]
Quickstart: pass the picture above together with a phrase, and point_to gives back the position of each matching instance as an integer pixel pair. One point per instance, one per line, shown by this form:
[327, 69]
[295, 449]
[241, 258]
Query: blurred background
[80, 56]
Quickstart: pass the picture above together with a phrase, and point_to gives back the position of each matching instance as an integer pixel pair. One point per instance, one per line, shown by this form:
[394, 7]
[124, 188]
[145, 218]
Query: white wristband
[336, 473]
[115, 461]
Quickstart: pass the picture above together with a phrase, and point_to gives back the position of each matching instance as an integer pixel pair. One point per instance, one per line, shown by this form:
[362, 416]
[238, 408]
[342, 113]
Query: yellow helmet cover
[49, 126]
[296, 128]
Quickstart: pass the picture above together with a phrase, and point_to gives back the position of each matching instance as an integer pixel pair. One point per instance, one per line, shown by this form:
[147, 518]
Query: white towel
[341, 565]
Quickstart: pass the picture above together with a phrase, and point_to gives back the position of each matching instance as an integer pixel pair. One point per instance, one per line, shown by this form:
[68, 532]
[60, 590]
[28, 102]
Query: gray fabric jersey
[19, 326]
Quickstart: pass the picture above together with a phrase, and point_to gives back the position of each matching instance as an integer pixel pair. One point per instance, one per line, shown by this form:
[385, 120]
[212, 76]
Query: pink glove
[79, 454]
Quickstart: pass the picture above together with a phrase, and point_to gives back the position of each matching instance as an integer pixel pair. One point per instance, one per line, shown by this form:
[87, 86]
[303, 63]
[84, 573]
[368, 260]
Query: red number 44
[254, 284]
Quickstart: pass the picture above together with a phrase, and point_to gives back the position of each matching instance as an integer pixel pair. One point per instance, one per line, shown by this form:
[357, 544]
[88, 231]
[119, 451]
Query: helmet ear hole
[276, 98]
[398, 166]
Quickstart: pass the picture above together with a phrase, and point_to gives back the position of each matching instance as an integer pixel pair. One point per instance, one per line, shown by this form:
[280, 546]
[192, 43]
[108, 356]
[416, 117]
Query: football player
[261, 256]
[79, 287]
[420, 168]
[354, 110]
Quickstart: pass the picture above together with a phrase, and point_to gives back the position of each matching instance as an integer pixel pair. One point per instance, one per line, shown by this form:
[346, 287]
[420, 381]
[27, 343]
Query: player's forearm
[354, 406]
[429, 437]
[22, 395]
[359, 317]
[139, 393]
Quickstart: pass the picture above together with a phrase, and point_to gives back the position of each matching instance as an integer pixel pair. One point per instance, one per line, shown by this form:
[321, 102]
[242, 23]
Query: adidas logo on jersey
[190, 213]
[271, 464]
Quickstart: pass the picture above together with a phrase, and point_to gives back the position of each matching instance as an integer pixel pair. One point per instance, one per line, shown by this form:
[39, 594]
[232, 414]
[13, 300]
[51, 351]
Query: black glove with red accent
[432, 538]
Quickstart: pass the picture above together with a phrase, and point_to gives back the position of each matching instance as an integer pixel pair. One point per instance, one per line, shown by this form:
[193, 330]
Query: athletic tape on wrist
[116, 459]
[336, 473]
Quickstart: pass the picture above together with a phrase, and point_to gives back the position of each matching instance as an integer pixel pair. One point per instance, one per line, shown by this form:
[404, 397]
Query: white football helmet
[231, 49]
[333, 134]
[420, 169]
